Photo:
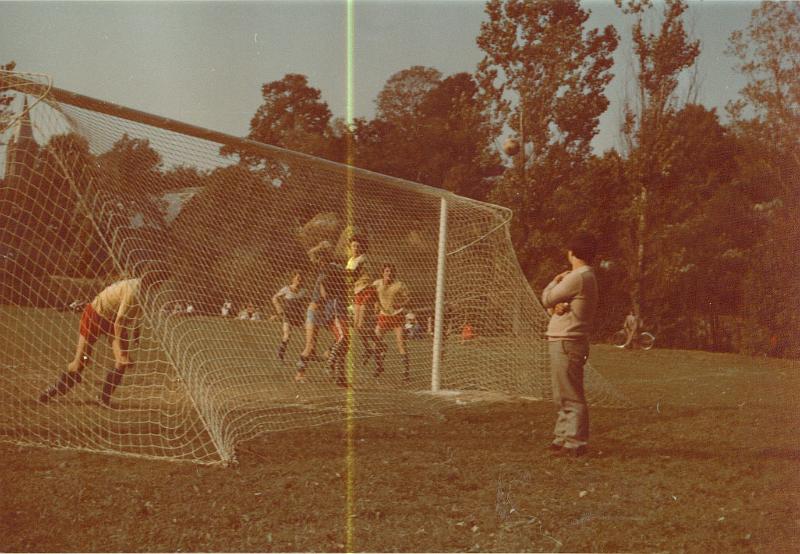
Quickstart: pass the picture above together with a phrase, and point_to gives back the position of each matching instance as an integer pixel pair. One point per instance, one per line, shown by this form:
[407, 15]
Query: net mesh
[93, 193]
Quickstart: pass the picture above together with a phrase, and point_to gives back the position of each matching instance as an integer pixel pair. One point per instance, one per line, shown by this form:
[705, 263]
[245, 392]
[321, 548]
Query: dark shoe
[45, 397]
[575, 452]
[365, 357]
[554, 447]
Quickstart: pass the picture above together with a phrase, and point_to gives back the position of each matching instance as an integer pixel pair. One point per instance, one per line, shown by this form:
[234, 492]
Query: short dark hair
[360, 239]
[583, 246]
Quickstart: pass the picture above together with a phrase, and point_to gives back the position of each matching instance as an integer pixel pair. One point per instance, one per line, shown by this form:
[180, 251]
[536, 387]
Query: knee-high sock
[68, 380]
[113, 379]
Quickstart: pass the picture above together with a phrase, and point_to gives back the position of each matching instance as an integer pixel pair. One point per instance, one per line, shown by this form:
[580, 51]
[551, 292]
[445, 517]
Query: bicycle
[643, 340]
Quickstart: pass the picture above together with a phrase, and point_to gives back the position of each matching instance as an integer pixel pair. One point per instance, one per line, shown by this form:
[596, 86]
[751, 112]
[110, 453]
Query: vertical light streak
[350, 220]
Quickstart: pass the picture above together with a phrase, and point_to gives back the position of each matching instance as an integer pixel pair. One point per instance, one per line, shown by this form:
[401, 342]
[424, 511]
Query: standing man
[568, 343]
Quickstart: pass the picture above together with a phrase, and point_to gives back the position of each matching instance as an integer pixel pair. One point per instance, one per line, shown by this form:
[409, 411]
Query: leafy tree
[292, 115]
[401, 97]
[661, 57]
[444, 141]
[543, 76]
[768, 54]
[766, 121]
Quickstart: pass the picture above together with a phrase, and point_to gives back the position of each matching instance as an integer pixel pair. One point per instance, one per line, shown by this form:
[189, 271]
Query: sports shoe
[365, 357]
[281, 351]
[554, 447]
[300, 377]
[49, 393]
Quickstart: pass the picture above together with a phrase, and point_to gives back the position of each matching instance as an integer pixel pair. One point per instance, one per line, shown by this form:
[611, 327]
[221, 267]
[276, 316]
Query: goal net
[212, 227]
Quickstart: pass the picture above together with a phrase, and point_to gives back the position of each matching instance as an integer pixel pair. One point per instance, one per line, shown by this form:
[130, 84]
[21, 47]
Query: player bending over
[290, 306]
[392, 296]
[114, 312]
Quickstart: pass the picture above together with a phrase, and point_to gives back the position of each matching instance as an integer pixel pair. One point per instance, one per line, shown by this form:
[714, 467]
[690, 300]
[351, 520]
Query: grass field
[707, 461]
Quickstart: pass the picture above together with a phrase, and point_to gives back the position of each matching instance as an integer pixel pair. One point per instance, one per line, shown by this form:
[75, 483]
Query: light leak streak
[350, 365]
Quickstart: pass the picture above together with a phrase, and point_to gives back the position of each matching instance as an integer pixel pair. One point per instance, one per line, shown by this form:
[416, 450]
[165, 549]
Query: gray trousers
[567, 358]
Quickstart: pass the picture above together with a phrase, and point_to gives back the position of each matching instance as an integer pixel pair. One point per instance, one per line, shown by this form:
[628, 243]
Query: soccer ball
[511, 147]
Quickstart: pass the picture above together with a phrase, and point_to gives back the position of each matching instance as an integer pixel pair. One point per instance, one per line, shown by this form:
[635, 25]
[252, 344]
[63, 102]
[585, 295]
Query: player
[114, 312]
[290, 306]
[328, 307]
[363, 294]
[392, 298]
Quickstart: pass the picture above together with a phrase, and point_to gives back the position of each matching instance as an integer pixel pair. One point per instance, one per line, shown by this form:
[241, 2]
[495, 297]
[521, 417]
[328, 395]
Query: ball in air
[511, 147]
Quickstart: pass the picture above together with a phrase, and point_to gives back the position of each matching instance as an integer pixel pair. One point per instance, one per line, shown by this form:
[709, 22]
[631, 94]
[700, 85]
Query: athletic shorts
[386, 322]
[366, 296]
[316, 317]
[93, 325]
[294, 317]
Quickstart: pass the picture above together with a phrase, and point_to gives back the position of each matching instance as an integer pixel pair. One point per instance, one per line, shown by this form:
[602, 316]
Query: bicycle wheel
[646, 340]
[619, 339]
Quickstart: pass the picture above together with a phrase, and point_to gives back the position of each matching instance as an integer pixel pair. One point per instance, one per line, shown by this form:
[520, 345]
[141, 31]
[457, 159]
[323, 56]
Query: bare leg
[380, 350]
[401, 340]
[311, 339]
[72, 376]
[284, 340]
[401, 347]
[83, 352]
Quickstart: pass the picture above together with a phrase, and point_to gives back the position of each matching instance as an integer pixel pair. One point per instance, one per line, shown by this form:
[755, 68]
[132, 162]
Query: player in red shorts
[364, 295]
[115, 313]
[392, 296]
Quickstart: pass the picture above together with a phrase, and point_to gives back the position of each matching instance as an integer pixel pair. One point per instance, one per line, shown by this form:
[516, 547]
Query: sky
[204, 62]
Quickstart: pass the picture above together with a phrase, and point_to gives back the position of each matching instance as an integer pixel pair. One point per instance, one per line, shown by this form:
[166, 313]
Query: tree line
[697, 216]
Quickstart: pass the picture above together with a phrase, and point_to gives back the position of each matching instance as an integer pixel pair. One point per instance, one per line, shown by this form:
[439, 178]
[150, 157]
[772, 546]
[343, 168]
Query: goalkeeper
[328, 306]
[115, 312]
[393, 297]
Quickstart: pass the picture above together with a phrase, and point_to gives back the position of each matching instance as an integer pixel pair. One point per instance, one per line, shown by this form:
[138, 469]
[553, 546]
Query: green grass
[706, 460]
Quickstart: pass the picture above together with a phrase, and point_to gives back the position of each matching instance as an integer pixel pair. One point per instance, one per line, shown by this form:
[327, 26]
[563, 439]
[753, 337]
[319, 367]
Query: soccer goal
[93, 193]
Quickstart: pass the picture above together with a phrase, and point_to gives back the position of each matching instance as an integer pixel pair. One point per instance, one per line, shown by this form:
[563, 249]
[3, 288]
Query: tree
[5, 98]
[440, 138]
[292, 115]
[401, 97]
[768, 54]
[661, 58]
[543, 76]
[766, 121]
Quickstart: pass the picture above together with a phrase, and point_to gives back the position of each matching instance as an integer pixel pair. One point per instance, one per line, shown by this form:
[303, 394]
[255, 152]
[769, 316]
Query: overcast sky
[204, 62]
